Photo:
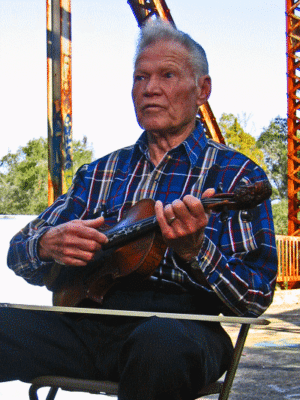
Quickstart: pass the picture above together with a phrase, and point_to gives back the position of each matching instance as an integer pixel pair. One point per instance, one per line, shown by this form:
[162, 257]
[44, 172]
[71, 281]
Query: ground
[270, 363]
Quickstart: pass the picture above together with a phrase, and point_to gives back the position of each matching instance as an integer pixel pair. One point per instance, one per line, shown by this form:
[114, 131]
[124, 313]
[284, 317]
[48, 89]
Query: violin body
[134, 250]
[135, 259]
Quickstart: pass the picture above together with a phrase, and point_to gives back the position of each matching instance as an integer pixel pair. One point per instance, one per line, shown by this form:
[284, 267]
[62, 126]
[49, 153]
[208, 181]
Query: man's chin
[156, 127]
[159, 130]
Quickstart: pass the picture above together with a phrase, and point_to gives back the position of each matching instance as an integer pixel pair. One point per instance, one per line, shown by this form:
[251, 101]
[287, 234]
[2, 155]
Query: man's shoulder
[229, 166]
[221, 146]
[120, 155]
[228, 153]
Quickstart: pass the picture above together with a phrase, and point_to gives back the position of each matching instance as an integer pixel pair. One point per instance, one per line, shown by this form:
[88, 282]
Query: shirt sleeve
[23, 256]
[239, 259]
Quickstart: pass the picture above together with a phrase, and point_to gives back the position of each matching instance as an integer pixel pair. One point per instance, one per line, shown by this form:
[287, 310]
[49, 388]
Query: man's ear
[204, 89]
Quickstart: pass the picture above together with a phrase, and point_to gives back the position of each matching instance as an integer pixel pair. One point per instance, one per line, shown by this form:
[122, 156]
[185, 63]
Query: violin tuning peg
[220, 188]
[224, 215]
[246, 216]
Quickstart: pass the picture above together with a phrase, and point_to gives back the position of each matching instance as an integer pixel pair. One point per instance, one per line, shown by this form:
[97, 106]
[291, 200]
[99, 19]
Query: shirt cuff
[32, 249]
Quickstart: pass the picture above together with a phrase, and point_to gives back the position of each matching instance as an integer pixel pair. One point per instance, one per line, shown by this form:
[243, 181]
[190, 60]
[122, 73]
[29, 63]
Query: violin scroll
[247, 197]
[244, 197]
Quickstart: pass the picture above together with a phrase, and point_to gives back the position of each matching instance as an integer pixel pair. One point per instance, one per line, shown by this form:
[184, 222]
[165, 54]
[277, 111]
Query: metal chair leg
[34, 396]
[235, 362]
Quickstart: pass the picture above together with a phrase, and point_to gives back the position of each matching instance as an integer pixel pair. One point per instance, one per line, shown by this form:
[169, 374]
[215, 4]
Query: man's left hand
[182, 224]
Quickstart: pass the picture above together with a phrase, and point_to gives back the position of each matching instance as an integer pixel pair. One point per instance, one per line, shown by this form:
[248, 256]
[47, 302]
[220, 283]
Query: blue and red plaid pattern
[238, 257]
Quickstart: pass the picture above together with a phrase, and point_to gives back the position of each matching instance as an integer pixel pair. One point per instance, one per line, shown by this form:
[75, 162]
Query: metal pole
[293, 70]
[59, 97]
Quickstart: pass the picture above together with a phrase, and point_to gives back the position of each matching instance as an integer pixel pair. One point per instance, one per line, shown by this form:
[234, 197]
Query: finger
[187, 210]
[75, 241]
[193, 206]
[74, 261]
[79, 253]
[88, 229]
[92, 234]
[190, 214]
[93, 223]
[169, 214]
[159, 211]
[208, 192]
[86, 245]
[162, 217]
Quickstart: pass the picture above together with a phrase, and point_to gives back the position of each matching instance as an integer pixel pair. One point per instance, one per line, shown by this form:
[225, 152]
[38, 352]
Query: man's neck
[160, 143]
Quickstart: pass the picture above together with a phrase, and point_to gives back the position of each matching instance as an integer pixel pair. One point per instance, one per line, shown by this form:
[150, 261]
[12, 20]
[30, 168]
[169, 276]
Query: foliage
[273, 142]
[237, 138]
[270, 152]
[24, 176]
[82, 154]
[280, 217]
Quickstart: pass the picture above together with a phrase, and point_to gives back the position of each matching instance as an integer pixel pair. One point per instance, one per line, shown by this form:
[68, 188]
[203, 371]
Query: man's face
[165, 93]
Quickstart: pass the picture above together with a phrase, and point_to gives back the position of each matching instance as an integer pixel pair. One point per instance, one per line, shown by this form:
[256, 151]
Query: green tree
[238, 139]
[273, 142]
[24, 176]
[280, 217]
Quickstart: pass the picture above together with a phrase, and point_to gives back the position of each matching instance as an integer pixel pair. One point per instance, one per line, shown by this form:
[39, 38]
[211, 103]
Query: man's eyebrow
[139, 71]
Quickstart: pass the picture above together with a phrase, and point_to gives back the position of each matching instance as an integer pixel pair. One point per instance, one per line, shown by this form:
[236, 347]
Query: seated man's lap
[46, 343]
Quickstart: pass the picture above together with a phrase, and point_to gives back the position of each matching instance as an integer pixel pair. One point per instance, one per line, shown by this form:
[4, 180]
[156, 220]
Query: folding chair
[111, 388]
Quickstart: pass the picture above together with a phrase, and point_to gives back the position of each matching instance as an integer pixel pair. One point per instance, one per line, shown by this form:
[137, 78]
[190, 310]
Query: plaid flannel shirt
[238, 257]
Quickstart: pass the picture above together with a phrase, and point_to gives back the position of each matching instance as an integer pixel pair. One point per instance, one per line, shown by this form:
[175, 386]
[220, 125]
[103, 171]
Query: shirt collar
[194, 145]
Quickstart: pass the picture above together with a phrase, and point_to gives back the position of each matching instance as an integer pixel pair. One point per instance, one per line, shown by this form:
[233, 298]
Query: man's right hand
[73, 243]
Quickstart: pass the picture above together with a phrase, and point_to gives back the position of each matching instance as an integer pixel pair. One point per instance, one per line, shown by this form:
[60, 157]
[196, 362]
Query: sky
[244, 42]
[245, 46]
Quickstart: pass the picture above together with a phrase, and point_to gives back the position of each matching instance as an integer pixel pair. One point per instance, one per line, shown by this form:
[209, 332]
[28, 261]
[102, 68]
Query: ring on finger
[59, 262]
[171, 220]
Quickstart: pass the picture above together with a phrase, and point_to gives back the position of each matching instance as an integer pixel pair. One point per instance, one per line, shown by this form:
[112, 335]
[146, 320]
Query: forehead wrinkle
[173, 60]
[174, 50]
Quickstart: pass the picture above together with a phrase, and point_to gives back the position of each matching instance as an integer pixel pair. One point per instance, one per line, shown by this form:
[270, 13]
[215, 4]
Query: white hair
[156, 30]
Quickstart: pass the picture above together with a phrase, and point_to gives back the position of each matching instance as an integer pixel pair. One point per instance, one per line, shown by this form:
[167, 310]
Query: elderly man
[211, 264]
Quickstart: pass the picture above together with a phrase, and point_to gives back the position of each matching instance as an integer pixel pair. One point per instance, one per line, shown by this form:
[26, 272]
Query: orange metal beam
[59, 97]
[163, 10]
[210, 124]
[144, 9]
[293, 113]
[288, 250]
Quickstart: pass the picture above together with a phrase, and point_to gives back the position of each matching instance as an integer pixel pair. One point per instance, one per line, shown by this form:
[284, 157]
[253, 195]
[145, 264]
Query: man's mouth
[152, 107]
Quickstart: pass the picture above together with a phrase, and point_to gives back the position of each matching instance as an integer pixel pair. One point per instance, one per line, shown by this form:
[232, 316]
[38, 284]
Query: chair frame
[111, 388]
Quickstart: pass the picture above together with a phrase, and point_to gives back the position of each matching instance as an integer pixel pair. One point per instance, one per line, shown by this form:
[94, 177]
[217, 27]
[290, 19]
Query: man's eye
[138, 78]
[169, 74]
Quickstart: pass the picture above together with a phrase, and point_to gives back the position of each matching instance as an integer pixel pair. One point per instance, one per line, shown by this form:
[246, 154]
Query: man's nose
[152, 86]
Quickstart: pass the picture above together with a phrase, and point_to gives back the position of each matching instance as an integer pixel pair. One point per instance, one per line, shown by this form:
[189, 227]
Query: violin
[135, 248]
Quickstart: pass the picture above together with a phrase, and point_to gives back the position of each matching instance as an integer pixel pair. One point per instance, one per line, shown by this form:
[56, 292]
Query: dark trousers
[152, 359]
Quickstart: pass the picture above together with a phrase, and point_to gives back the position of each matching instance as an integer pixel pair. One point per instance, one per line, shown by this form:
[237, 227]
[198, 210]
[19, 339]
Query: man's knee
[175, 352]
[158, 340]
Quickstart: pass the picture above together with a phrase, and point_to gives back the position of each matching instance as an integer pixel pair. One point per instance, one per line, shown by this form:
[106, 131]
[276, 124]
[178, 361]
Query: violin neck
[243, 198]
[121, 234]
